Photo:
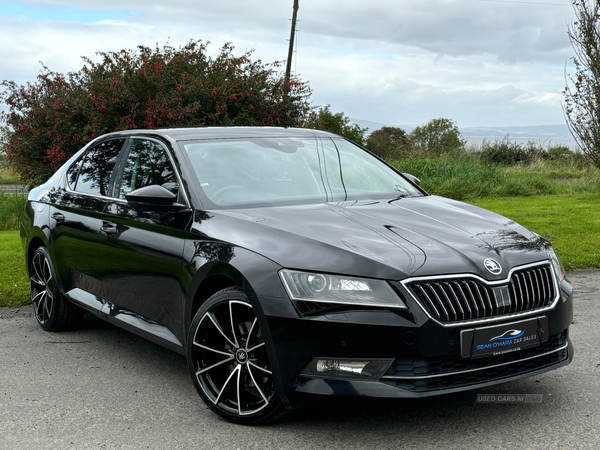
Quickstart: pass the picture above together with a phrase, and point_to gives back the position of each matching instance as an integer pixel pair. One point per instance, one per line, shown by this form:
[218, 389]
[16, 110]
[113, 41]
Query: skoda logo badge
[493, 266]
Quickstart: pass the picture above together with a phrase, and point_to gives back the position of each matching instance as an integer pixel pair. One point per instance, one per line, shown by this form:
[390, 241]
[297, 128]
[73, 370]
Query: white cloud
[477, 62]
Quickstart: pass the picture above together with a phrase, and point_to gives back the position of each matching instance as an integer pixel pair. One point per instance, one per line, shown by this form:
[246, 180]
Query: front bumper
[427, 356]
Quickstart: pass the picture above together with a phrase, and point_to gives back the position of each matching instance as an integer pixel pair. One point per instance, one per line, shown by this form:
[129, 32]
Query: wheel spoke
[256, 346]
[39, 306]
[47, 269]
[37, 268]
[239, 398]
[232, 324]
[218, 327]
[250, 334]
[212, 349]
[206, 369]
[46, 307]
[35, 279]
[35, 300]
[237, 369]
[260, 368]
[256, 385]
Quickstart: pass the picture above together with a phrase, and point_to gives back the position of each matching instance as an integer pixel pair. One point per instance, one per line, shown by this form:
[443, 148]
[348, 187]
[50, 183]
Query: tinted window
[97, 168]
[148, 163]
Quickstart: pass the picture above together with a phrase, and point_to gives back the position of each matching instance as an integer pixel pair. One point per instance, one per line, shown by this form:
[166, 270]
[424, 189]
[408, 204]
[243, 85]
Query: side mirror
[412, 178]
[152, 195]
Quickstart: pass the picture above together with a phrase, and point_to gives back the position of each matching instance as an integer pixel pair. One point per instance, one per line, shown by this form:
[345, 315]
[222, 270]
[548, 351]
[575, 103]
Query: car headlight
[339, 289]
[556, 265]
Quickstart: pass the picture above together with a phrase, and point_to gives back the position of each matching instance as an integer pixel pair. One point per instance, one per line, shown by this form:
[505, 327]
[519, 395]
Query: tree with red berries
[50, 120]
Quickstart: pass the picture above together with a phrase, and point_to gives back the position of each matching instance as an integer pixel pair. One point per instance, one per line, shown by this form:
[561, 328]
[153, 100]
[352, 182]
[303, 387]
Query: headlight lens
[558, 268]
[339, 289]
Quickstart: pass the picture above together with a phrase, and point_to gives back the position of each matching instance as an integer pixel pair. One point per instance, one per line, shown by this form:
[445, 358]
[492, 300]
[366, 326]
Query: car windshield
[234, 173]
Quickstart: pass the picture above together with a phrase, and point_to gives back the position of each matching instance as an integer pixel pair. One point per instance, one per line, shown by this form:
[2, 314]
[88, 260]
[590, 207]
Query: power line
[526, 3]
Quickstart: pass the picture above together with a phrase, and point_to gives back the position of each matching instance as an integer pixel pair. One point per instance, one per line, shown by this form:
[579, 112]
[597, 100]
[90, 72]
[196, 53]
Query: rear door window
[97, 168]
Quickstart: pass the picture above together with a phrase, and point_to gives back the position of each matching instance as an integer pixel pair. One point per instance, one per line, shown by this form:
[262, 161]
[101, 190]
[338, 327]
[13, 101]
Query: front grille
[428, 374]
[459, 299]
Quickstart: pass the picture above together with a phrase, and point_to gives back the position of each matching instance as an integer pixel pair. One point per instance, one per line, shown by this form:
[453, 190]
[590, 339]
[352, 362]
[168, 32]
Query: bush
[338, 123]
[509, 153]
[438, 137]
[165, 87]
[389, 143]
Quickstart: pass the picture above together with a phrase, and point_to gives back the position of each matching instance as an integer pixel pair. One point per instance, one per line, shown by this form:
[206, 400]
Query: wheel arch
[210, 279]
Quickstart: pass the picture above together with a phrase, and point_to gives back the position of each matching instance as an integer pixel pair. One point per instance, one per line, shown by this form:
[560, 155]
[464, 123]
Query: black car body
[346, 291]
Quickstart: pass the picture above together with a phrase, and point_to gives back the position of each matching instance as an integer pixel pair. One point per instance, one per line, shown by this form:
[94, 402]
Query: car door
[145, 246]
[76, 219]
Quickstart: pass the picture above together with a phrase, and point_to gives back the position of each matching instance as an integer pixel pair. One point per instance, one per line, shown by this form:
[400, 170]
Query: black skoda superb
[291, 263]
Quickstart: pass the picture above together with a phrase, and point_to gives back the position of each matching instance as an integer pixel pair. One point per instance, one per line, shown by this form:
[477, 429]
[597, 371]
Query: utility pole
[288, 68]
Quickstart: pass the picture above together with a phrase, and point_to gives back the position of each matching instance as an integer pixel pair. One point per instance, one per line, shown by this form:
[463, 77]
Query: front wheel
[228, 361]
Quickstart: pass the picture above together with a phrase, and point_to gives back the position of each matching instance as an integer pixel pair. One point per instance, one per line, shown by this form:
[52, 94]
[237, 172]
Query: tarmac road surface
[101, 387]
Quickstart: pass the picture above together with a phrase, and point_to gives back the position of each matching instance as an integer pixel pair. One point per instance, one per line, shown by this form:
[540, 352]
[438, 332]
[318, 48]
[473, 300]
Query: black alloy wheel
[51, 310]
[228, 360]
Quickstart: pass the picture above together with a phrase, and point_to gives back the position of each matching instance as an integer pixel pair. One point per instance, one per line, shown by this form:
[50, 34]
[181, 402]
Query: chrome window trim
[498, 318]
[449, 374]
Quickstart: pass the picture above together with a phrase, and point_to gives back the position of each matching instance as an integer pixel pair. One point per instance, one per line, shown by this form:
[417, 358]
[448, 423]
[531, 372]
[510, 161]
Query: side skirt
[128, 320]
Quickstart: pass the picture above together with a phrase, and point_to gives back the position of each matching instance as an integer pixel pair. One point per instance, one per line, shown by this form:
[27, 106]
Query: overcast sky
[401, 62]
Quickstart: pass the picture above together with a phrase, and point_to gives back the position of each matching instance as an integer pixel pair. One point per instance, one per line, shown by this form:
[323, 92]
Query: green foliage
[338, 123]
[507, 153]
[52, 118]
[582, 93]
[468, 178]
[389, 143]
[14, 283]
[438, 137]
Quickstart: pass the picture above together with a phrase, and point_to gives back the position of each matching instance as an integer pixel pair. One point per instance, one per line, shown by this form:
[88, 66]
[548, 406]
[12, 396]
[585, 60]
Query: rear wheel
[228, 360]
[52, 311]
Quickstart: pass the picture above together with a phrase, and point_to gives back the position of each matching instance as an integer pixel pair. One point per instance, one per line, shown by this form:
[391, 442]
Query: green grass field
[570, 222]
[14, 285]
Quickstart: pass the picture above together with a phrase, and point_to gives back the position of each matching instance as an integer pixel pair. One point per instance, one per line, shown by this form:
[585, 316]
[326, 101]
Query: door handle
[58, 217]
[109, 228]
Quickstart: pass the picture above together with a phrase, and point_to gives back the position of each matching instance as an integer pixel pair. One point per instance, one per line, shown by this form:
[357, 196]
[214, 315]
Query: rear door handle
[109, 228]
[58, 217]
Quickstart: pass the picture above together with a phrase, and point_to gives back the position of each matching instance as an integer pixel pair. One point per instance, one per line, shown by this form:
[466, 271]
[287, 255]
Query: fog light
[371, 369]
[326, 365]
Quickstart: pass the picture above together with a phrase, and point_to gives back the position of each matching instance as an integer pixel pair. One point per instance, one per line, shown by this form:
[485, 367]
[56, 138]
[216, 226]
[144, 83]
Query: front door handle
[58, 217]
[109, 228]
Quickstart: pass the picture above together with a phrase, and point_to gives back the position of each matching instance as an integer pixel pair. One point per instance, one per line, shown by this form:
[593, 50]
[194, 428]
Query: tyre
[228, 361]
[52, 311]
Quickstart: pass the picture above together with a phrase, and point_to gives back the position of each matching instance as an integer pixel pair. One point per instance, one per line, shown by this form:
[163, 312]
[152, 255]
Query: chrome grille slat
[446, 299]
[543, 282]
[453, 299]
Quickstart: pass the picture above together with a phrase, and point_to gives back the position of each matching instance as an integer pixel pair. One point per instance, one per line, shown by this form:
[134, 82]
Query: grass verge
[468, 178]
[11, 207]
[14, 286]
[570, 222]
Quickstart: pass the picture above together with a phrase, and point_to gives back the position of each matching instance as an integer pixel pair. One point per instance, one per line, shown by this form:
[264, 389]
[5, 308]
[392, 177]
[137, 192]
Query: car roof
[185, 134]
